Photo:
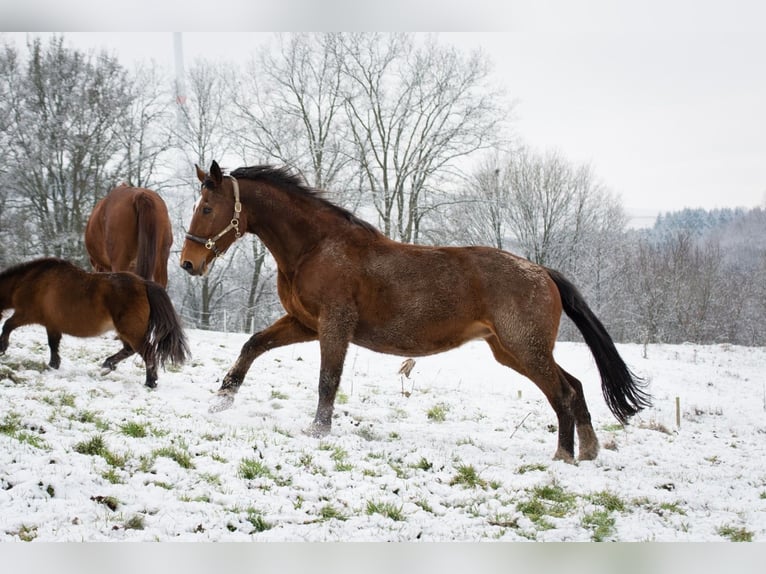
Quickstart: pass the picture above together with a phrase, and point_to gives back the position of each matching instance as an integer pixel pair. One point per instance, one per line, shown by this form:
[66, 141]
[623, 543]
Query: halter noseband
[209, 242]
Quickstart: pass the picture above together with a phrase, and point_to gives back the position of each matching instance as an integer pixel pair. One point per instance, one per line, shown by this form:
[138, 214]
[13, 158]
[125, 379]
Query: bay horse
[68, 300]
[341, 281]
[129, 230]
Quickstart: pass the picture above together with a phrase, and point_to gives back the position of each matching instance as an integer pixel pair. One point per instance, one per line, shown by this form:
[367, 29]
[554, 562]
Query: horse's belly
[81, 320]
[91, 329]
[418, 340]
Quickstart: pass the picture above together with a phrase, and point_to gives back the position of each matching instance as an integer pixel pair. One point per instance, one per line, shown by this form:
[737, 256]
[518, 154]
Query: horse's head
[215, 224]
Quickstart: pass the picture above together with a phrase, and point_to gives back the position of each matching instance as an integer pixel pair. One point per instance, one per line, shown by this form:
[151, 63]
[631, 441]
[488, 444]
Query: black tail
[147, 237]
[165, 338]
[623, 391]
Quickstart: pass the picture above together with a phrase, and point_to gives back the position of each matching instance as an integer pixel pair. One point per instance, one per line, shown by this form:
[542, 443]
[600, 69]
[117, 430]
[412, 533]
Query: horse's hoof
[105, 370]
[221, 403]
[565, 456]
[317, 430]
[151, 385]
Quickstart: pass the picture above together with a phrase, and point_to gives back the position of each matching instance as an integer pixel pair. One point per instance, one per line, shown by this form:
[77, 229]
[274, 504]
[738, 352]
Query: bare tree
[290, 108]
[145, 131]
[414, 111]
[63, 110]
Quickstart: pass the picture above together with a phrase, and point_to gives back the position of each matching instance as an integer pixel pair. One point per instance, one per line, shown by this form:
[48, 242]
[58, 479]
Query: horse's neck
[284, 225]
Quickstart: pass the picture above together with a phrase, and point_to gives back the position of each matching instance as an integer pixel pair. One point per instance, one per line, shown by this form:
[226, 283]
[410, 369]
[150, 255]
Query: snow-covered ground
[460, 451]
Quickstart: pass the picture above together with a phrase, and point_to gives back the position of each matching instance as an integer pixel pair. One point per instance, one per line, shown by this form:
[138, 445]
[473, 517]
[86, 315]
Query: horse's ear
[215, 173]
[201, 175]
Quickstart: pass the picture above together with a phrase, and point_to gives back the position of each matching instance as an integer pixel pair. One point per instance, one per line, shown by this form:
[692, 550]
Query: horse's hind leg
[588, 442]
[54, 339]
[110, 363]
[542, 370]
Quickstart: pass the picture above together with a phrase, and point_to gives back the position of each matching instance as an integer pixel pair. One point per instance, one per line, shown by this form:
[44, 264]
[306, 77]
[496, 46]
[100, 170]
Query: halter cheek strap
[209, 242]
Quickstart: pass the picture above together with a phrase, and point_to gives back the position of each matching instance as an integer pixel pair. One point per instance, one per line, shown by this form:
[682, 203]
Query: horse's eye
[207, 210]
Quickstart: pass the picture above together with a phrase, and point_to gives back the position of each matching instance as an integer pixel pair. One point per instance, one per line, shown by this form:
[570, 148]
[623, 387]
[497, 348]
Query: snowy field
[460, 451]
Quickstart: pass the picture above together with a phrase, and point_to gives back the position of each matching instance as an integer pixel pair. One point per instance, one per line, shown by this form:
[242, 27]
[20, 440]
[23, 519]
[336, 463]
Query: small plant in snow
[181, 457]
[250, 468]
[438, 413]
[329, 512]
[467, 476]
[735, 534]
[601, 523]
[134, 429]
[387, 509]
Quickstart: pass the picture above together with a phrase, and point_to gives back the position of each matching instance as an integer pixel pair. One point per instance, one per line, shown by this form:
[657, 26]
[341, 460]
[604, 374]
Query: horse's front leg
[11, 323]
[334, 338]
[285, 331]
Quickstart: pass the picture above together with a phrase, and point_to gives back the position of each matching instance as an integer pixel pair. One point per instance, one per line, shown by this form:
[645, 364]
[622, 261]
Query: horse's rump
[130, 230]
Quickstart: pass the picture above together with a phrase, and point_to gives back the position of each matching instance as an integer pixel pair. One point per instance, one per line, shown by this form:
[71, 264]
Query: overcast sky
[665, 100]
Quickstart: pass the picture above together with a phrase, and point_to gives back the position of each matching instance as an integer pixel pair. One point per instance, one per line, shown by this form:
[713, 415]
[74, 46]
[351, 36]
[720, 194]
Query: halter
[209, 243]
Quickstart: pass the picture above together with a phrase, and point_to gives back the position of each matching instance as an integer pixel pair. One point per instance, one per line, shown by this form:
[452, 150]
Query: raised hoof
[317, 430]
[221, 402]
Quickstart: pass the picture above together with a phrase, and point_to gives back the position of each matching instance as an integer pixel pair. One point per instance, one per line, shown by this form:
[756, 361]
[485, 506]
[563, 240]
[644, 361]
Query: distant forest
[696, 276]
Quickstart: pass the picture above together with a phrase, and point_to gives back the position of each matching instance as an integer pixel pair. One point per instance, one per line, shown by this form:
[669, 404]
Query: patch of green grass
[329, 512]
[548, 500]
[66, 399]
[112, 476]
[424, 464]
[256, 520]
[423, 504]
[27, 533]
[11, 426]
[95, 446]
[387, 509]
[468, 477]
[438, 412]
[735, 534]
[134, 429]
[250, 468]
[340, 457]
[135, 522]
[275, 394]
[601, 523]
[180, 456]
[611, 502]
[525, 468]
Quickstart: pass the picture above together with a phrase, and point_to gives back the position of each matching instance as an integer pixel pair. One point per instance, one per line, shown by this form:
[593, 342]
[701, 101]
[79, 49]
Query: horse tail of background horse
[148, 236]
[165, 338]
[623, 391]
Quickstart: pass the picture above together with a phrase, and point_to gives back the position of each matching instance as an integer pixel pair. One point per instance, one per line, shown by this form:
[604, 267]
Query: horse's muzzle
[189, 267]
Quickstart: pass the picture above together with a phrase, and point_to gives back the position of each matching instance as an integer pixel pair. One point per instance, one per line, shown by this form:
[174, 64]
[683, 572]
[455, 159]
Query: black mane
[284, 178]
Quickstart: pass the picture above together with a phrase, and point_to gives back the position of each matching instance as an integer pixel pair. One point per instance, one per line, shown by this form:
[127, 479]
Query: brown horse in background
[129, 230]
[341, 281]
[68, 300]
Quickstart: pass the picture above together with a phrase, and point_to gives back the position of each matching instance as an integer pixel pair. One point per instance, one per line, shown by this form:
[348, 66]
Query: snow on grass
[460, 451]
